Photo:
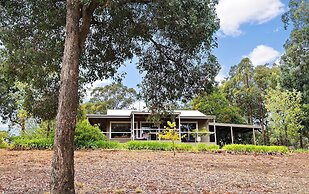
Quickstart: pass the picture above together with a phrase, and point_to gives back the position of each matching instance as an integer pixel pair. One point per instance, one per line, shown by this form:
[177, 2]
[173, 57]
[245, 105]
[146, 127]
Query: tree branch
[159, 47]
[86, 16]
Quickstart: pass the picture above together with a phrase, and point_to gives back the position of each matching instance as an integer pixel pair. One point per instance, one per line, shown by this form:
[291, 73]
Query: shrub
[185, 147]
[205, 147]
[86, 133]
[301, 151]
[255, 148]
[148, 145]
[3, 136]
[42, 143]
[102, 145]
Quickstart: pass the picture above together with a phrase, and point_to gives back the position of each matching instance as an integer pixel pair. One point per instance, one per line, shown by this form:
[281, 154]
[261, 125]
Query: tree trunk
[62, 175]
[48, 128]
[286, 136]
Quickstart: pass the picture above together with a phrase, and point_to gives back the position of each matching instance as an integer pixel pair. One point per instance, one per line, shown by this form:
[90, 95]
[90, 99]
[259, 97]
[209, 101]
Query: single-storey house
[117, 125]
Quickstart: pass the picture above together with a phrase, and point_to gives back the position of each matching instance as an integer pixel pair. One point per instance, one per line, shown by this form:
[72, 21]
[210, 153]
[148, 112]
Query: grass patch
[26, 144]
[149, 145]
[255, 148]
[205, 147]
[102, 145]
[301, 151]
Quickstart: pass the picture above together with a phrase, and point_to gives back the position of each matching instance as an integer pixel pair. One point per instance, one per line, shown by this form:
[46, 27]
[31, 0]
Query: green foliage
[168, 146]
[86, 133]
[204, 147]
[217, 104]
[112, 96]
[240, 89]
[173, 38]
[255, 149]
[149, 145]
[185, 147]
[20, 143]
[301, 150]
[3, 136]
[285, 115]
[101, 145]
[295, 68]
[170, 133]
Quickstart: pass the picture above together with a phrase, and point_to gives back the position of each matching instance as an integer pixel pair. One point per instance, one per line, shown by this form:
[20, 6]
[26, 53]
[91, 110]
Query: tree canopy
[172, 39]
[112, 96]
[295, 61]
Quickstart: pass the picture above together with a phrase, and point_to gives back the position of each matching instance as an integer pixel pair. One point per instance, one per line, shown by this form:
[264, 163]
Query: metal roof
[235, 125]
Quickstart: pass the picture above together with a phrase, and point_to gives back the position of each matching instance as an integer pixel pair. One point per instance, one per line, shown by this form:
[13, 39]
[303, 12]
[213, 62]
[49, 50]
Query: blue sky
[251, 28]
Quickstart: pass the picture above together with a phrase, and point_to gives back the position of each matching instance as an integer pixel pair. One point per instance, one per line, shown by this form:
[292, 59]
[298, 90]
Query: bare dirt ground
[159, 172]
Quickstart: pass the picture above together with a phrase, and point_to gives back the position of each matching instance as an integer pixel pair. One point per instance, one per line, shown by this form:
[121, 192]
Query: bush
[205, 147]
[255, 148]
[102, 145]
[301, 151]
[3, 136]
[24, 144]
[185, 147]
[149, 145]
[86, 133]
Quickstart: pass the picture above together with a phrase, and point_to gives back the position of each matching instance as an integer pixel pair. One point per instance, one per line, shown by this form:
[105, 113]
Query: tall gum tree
[295, 61]
[172, 39]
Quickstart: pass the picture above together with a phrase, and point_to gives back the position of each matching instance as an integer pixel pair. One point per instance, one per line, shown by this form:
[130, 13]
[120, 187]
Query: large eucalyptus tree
[173, 40]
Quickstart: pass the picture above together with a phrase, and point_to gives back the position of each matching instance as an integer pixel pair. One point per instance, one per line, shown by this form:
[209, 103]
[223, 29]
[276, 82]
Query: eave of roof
[98, 116]
[235, 125]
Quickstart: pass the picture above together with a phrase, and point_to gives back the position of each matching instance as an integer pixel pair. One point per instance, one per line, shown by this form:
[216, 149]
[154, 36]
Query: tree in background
[264, 78]
[113, 96]
[217, 104]
[241, 90]
[295, 67]
[245, 88]
[285, 115]
[172, 39]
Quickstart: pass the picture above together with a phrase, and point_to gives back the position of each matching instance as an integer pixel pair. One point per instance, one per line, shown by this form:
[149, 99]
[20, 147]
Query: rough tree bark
[62, 175]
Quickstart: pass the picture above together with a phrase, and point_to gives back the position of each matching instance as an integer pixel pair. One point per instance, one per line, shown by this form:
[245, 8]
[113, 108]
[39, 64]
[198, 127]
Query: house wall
[105, 126]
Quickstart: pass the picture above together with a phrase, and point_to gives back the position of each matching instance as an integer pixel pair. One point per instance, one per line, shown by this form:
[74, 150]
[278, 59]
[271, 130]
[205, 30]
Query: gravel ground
[159, 172]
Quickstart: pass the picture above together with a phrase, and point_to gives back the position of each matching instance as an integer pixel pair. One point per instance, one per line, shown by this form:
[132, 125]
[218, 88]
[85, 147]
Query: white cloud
[263, 54]
[234, 13]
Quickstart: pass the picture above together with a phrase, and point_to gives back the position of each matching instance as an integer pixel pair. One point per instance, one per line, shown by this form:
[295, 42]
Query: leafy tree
[285, 115]
[113, 96]
[170, 133]
[264, 78]
[295, 68]
[31, 39]
[246, 87]
[217, 104]
[240, 88]
[172, 39]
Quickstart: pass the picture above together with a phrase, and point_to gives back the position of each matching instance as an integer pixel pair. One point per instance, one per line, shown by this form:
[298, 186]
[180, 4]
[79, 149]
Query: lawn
[103, 171]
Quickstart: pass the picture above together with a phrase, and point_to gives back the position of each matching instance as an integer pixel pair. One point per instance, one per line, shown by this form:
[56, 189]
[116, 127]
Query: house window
[149, 131]
[121, 130]
[187, 131]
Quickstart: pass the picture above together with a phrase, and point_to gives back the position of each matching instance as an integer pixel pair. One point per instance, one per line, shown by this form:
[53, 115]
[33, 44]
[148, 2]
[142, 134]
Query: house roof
[236, 125]
[184, 114]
